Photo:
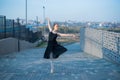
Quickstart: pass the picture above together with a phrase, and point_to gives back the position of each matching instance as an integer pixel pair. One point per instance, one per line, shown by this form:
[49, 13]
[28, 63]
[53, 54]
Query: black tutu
[53, 47]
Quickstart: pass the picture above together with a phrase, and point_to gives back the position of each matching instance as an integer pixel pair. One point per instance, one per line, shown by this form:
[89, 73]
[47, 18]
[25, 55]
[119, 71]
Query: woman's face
[56, 27]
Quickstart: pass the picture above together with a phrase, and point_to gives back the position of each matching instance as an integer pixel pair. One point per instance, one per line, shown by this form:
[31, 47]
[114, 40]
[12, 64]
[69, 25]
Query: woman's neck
[54, 31]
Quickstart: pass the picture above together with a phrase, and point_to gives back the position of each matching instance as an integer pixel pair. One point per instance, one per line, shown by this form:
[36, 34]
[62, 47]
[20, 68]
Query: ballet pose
[54, 50]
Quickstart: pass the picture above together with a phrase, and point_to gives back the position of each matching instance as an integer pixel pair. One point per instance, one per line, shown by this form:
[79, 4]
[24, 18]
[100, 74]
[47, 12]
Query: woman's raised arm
[49, 27]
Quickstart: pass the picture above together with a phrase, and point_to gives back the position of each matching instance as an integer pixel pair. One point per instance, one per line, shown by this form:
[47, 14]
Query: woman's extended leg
[51, 62]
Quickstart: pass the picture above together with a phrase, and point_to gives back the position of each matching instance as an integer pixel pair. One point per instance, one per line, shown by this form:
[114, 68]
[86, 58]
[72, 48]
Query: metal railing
[10, 28]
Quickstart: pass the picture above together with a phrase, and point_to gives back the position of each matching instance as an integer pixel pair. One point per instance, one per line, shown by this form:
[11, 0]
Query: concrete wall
[100, 43]
[90, 41]
[10, 45]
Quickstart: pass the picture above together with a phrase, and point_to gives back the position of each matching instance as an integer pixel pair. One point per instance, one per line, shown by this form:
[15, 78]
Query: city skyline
[63, 10]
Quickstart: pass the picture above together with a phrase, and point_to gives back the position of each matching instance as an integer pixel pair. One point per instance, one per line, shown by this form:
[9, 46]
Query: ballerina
[54, 50]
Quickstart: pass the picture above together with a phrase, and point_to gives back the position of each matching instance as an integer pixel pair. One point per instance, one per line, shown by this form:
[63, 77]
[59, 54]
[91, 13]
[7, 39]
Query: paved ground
[73, 65]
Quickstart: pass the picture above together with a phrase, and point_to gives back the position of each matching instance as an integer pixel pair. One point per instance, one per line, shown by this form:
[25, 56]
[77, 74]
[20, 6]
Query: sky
[63, 10]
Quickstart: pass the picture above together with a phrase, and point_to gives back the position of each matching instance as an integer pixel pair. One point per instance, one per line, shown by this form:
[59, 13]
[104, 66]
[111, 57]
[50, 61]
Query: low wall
[100, 43]
[10, 45]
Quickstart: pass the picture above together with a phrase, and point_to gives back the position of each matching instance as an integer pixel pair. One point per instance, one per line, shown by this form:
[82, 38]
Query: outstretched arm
[65, 35]
[49, 27]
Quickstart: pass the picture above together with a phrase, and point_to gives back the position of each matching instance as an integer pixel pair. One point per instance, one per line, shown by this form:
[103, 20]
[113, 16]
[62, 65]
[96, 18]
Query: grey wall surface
[100, 43]
[10, 45]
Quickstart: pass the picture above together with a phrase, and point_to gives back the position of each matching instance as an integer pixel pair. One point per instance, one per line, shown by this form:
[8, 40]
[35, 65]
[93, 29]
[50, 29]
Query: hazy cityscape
[35, 25]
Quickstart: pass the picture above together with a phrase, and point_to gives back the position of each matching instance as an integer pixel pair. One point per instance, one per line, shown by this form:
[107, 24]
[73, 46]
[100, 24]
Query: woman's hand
[73, 35]
[47, 19]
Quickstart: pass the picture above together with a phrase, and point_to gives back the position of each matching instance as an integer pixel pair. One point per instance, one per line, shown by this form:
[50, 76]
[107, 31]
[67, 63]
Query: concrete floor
[72, 65]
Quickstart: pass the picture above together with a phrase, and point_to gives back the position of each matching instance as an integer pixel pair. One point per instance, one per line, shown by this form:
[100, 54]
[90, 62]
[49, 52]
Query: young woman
[54, 50]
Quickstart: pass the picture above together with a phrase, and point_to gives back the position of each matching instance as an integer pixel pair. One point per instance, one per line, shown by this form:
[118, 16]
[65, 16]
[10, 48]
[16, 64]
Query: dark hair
[54, 25]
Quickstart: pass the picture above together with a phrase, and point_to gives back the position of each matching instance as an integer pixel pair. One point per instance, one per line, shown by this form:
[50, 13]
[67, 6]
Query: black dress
[53, 47]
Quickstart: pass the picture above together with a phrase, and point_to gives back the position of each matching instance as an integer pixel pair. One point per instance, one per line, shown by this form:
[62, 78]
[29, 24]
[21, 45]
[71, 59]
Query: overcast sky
[62, 10]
